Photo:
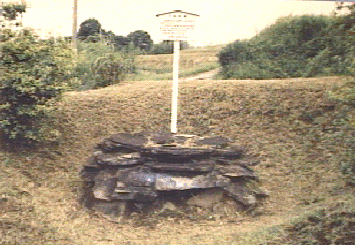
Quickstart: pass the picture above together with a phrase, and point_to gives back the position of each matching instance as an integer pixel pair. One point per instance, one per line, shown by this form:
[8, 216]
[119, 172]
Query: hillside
[191, 62]
[299, 133]
[315, 46]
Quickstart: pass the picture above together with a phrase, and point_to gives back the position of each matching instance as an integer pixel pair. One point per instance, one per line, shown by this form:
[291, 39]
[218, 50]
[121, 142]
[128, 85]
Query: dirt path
[203, 76]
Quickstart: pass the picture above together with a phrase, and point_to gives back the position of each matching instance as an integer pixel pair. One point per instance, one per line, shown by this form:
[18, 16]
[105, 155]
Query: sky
[220, 21]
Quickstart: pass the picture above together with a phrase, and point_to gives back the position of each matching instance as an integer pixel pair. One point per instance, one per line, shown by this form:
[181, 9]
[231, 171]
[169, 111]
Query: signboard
[176, 25]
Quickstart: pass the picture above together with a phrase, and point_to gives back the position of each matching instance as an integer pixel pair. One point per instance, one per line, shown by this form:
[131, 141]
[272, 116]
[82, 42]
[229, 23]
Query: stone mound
[156, 172]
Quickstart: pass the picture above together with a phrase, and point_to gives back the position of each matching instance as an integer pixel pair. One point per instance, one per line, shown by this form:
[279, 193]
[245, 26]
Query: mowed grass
[291, 125]
[191, 62]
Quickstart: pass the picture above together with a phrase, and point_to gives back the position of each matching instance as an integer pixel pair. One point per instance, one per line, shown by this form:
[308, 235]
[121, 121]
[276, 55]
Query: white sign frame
[176, 26]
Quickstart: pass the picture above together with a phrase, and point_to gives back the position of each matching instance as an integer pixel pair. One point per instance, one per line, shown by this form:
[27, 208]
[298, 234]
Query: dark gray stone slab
[149, 168]
[178, 154]
[129, 139]
[214, 140]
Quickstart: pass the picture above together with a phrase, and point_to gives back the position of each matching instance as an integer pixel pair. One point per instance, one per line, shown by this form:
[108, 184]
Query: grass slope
[191, 62]
[291, 125]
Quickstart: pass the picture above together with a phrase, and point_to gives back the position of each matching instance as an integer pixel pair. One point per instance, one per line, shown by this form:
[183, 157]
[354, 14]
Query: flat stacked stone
[139, 169]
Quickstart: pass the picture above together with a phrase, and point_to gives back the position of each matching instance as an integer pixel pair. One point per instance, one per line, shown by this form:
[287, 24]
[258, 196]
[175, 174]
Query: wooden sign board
[176, 25]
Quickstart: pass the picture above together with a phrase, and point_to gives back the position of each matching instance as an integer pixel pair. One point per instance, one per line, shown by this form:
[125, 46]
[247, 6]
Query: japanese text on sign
[176, 25]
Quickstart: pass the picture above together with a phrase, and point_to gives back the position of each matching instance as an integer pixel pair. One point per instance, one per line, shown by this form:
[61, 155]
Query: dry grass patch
[191, 62]
[289, 124]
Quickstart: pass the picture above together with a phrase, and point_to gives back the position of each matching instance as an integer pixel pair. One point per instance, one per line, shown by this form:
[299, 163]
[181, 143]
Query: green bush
[162, 48]
[99, 65]
[33, 73]
[292, 47]
[166, 47]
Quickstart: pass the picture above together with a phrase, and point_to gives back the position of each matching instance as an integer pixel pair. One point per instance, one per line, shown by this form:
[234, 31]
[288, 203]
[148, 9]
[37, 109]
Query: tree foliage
[91, 31]
[120, 42]
[166, 47]
[89, 28]
[33, 72]
[141, 39]
[294, 46]
[11, 11]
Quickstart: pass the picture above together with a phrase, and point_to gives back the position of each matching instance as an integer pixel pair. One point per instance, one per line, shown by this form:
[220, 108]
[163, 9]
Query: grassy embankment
[292, 125]
[191, 62]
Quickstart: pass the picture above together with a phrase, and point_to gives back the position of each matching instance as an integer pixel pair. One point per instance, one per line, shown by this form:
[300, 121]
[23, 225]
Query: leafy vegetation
[32, 74]
[166, 47]
[295, 46]
[141, 39]
[90, 31]
[11, 11]
[99, 64]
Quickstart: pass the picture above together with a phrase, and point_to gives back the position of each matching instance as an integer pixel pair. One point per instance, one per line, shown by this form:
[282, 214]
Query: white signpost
[176, 25]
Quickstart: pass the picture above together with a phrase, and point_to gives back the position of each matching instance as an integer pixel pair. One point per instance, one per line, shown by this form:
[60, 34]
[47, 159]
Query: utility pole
[74, 27]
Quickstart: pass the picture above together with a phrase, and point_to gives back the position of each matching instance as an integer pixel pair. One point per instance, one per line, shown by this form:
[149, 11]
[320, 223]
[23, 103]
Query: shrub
[294, 46]
[108, 70]
[162, 48]
[33, 73]
[166, 47]
[99, 65]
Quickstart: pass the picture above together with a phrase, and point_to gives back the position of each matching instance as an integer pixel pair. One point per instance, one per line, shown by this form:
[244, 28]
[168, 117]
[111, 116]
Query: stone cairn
[159, 172]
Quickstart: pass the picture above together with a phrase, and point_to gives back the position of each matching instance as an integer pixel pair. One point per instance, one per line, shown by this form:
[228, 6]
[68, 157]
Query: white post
[74, 26]
[174, 112]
